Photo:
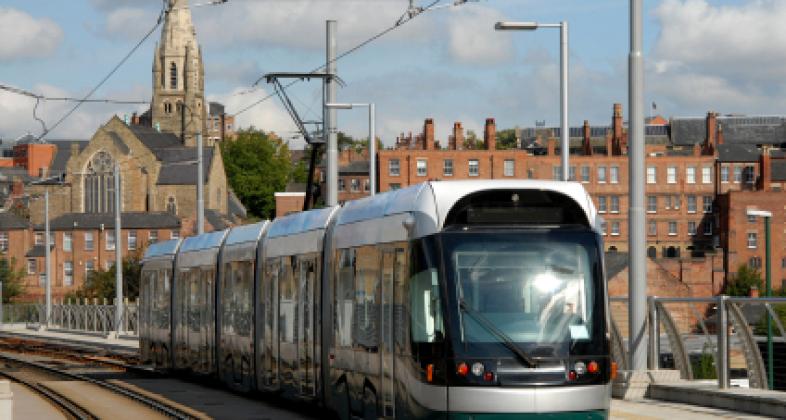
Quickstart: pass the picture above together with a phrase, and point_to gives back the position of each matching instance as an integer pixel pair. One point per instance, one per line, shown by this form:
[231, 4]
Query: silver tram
[444, 300]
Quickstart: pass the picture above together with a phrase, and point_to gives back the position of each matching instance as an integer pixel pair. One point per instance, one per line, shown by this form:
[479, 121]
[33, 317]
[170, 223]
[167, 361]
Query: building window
[572, 173]
[422, 168]
[110, 240]
[725, 174]
[585, 177]
[394, 187]
[3, 241]
[668, 202]
[354, 185]
[229, 127]
[173, 76]
[615, 204]
[171, 205]
[153, 236]
[750, 176]
[99, 184]
[601, 174]
[342, 184]
[395, 168]
[88, 241]
[737, 174]
[691, 204]
[692, 228]
[473, 167]
[603, 228]
[716, 241]
[447, 167]
[89, 266]
[707, 228]
[672, 228]
[110, 264]
[706, 174]
[751, 220]
[751, 239]
[652, 174]
[558, 172]
[615, 228]
[216, 124]
[68, 273]
[783, 263]
[653, 228]
[31, 266]
[652, 204]
[615, 174]
[175, 234]
[68, 241]
[707, 203]
[509, 167]
[602, 204]
[691, 174]
[676, 202]
[131, 240]
[39, 238]
[754, 262]
[366, 185]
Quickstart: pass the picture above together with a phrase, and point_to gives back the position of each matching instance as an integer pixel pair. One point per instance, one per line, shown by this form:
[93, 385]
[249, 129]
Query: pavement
[652, 409]
[73, 337]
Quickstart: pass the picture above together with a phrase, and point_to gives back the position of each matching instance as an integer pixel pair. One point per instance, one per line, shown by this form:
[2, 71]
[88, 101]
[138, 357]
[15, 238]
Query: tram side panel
[156, 311]
[236, 350]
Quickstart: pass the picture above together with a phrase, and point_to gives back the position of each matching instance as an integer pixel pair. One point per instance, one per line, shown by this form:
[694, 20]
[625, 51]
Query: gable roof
[131, 220]
[64, 153]
[178, 165]
[616, 262]
[360, 167]
[10, 221]
[121, 145]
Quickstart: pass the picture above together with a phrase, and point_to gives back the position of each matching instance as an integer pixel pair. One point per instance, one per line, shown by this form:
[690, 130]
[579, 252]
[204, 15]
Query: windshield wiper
[501, 336]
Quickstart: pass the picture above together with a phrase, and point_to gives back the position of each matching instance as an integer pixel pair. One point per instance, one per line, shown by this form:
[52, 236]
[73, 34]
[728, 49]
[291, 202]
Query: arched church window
[173, 76]
[167, 107]
[171, 206]
[99, 184]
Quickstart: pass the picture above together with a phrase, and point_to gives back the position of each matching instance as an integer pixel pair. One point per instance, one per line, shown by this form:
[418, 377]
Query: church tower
[178, 78]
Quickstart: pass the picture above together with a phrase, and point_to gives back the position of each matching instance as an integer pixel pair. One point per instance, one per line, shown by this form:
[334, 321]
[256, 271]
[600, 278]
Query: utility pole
[118, 256]
[330, 114]
[48, 311]
[200, 192]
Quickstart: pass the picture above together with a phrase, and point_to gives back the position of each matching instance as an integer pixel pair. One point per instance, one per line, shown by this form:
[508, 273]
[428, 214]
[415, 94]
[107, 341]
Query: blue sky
[449, 64]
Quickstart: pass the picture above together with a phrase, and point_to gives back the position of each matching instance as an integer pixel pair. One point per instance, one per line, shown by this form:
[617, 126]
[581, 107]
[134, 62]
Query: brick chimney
[609, 144]
[696, 150]
[754, 292]
[428, 130]
[720, 134]
[711, 124]
[518, 137]
[458, 136]
[765, 179]
[538, 141]
[586, 143]
[490, 134]
[551, 144]
[616, 122]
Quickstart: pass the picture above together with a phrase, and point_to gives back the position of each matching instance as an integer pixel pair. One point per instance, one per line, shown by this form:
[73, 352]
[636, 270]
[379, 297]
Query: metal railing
[88, 316]
[19, 313]
[728, 312]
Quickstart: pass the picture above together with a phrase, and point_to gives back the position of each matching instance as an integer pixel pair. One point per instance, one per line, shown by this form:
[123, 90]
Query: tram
[444, 300]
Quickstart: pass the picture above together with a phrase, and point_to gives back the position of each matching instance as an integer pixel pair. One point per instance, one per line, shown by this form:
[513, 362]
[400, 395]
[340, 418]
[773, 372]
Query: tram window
[424, 298]
[345, 297]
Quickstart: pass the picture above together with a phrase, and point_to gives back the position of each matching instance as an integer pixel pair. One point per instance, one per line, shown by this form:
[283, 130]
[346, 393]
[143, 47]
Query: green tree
[13, 278]
[101, 283]
[300, 172]
[257, 166]
[746, 278]
[472, 138]
[506, 139]
[344, 141]
[362, 144]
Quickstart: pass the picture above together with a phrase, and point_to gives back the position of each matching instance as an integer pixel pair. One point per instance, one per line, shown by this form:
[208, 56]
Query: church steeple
[178, 96]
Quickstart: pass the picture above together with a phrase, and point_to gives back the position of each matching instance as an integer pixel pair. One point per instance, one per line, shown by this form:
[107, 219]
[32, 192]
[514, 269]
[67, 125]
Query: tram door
[390, 270]
[206, 321]
[145, 316]
[271, 362]
[194, 315]
[181, 340]
[307, 274]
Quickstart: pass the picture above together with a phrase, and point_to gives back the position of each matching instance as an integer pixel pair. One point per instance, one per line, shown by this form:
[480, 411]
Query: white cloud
[119, 4]
[128, 23]
[23, 36]
[473, 40]
[268, 115]
[243, 73]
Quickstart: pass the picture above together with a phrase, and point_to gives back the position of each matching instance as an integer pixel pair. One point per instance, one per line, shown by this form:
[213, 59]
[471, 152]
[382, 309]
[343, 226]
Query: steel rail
[171, 412]
[67, 406]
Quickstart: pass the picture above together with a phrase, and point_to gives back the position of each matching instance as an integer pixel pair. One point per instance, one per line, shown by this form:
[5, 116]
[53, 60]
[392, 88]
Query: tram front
[513, 311]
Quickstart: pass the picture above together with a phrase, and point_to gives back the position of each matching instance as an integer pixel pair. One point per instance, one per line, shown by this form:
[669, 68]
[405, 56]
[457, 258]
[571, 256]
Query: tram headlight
[580, 368]
[478, 369]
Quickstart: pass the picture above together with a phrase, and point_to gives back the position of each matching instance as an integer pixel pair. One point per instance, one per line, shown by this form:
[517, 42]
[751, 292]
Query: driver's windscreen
[537, 288]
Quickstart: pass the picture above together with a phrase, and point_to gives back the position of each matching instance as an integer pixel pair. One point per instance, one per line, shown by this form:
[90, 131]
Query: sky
[449, 64]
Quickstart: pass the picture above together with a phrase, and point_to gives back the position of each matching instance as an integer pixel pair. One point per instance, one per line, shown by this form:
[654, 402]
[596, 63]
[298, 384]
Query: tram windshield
[541, 289]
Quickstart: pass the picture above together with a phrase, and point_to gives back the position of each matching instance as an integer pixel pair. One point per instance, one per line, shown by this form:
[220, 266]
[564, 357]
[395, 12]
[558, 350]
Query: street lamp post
[768, 273]
[564, 130]
[372, 140]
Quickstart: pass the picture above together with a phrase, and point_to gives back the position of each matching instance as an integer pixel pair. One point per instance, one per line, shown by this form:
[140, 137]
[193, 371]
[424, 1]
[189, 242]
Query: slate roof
[738, 153]
[39, 250]
[10, 221]
[216, 109]
[136, 220]
[235, 207]
[680, 152]
[64, 153]
[777, 153]
[214, 218]
[616, 262]
[360, 167]
[154, 139]
[778, 170]
[121, 145]
[184, 173]
[736, 130]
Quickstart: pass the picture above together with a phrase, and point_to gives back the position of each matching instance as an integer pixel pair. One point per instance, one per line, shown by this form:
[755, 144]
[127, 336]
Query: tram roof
[249, 233]
[204, 241]
[300, 222]
[161, 248]
[445, 194]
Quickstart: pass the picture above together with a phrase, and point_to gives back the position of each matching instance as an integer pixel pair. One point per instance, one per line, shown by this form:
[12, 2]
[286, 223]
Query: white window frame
[132, 240]
[174, 234]
[447, 167]
[692, 204]
[652, 174]
[39, 239]
[676, 202]
[585, 174]
[750, 174]
[602, 174]
[89, 243]
[474, 167]
[614, 175]
[653, 228]
[725, 174]
[652, 204]
[671, 174]
[690, 174]
[110, 242]
[354, 185]
[572, 173]
[68, 241]
[557, 172]
[603, 228]
[668, 202]
[706, 174]
[615, 228]
[737, 174]
[394, 167]
[602, 204]
[89, 266]
[422, 167]
[342, 184]
[68, 273]
[31, 269]
[153, 237]
[691, 228]
[706, 203]
[752, 240]
[109, 264]
[672, 228]
[615, 204]
[510, 167]
[3, 241]
[707, 228]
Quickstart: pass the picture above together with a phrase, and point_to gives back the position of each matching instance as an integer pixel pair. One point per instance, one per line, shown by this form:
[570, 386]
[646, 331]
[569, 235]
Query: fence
[19, 313]
[731, 329]
[88, 316]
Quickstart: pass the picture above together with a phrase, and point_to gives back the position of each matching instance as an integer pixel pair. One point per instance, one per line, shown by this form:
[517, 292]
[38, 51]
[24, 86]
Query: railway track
[120, 362]
[64, 390]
